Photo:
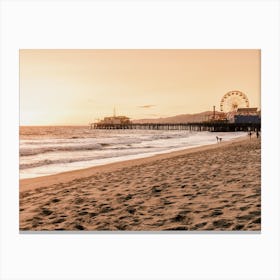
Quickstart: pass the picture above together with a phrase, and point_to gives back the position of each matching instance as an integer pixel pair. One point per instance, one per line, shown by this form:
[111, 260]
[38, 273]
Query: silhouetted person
[257, 133]
[217, 139]
[220, 140]
[250, 134]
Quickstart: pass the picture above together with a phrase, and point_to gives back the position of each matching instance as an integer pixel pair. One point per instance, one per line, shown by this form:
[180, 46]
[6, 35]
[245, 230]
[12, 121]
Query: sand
[210, 188]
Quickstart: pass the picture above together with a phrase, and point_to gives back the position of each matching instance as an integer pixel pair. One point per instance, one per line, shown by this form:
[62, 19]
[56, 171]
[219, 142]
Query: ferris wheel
[233, 100]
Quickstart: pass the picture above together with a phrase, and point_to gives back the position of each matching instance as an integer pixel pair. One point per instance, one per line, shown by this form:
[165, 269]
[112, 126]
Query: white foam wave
[49, 156]
[28, 151]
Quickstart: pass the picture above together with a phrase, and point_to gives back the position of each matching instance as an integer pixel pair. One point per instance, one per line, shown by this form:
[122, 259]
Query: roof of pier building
[247, 111]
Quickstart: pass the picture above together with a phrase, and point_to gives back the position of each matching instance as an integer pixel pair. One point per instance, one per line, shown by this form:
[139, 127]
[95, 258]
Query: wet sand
[215, 187]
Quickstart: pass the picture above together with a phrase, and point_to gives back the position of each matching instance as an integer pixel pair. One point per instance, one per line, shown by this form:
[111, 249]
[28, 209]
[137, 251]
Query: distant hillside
[199, 117]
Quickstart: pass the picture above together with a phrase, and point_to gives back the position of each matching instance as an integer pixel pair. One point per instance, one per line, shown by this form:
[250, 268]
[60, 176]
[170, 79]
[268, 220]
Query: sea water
[49, 150]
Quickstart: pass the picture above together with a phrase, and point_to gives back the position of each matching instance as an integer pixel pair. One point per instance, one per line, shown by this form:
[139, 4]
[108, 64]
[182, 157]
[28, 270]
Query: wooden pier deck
[201, 126]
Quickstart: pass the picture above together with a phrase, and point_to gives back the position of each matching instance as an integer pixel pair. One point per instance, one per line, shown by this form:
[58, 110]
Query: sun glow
[75, 87]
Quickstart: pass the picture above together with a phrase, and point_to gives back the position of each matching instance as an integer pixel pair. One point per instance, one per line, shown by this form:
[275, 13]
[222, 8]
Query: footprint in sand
[243, 208]
[58, 221]
[223, 223]
[46, 212]
[79, 227]
[131, 210]
[181, 216]
[247, 217]
[83, 213]
[238, 227]
[257, 221]
[199, 226]
[178, 228]
[216, 212]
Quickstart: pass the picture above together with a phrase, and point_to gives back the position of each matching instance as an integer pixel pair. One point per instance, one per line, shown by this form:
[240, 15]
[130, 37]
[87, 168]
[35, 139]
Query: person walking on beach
[257, 133]
[250, 134]
[220, 139]
[217, 139]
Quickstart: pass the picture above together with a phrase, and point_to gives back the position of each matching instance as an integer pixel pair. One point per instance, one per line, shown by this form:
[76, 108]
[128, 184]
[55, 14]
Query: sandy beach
[215, 187]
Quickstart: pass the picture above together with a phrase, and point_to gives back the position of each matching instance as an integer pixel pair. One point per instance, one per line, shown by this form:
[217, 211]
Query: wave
[36, 147]
[111, 154]
[48, 162]
[30, 151]
[52, 156]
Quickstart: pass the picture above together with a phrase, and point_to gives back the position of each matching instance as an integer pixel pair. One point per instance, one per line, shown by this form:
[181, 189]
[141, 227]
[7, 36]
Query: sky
[76, 87]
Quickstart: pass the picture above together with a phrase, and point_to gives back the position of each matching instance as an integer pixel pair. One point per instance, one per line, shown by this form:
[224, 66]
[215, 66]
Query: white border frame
[140, 24]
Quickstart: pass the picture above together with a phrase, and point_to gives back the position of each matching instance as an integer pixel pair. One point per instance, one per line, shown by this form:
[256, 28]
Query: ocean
[46, 150]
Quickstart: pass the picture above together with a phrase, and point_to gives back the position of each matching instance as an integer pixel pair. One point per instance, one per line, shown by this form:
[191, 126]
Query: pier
[199, 126]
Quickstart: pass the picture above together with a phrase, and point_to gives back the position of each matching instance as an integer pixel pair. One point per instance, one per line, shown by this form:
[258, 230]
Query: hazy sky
[75, 87]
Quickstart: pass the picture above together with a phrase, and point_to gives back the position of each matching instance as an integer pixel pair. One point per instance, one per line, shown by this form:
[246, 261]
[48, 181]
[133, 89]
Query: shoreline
[207, 188]
[27, 184]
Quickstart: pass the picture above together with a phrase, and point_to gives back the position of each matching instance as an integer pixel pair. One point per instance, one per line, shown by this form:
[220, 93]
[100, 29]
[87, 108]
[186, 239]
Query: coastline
[213, 187]
[63, 177]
